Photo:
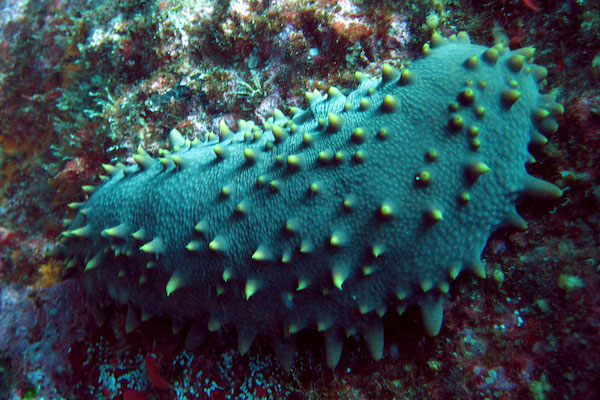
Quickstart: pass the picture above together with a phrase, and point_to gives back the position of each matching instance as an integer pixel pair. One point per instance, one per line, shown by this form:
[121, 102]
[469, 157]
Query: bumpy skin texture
[313, 223]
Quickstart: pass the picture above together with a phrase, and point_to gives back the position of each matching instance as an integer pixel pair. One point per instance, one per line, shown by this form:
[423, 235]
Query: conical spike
[111, 169]
[547, 126]
[444, 287]
[144, 160]
[295, 327]
[279, 133]
[364, 104]
[434, 215]
[406, 77]
[245, 338]
[437, 40]
[477, 266]
[180, 161]
[557, 109]
[201, 227]
[426, 49]
[227, 274]
[292, 225]
[296, 110]
[516, 62]
[165, 161]
[286, 256]
[226, 191]
[334, 92]
[88, 189]
[224, 131]
[295, 162]
[311, 97]
[71, 264]
[306, 246]
[510, 96]
[286, 351]
[335, 122]
[278, 116]
[262, 253]
[220, 152]
[157, 245]
[365, 307]
[302, 284]
[426, 285]
[388, 73]
[513, 220]
[472, 62]
[389, 104]
[334, 344]
[491, 56]
[214, 323]
[218, 244]
[377, 249]
[176, 282]
[324, 323]
[177, 325]
[540, 113]
[252, 286]
[120, 231]
[526, 52]
[95, 262]
[176, 139]
[540, 188]
[84, 231]
[463, 37]
[251, 156]
[133, 319]
[537, 139]
[454, 270]
[539, 73]
[432, 312]
[475, 169]
[194, 245]
[374, 337]
[339, 274]
[386, 210]
[140, 234]
[337, 239]
[196, 335]
[146, 316]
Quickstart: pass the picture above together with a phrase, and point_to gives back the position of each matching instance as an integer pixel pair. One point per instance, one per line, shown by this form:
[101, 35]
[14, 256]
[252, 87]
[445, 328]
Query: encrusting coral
[363, 203]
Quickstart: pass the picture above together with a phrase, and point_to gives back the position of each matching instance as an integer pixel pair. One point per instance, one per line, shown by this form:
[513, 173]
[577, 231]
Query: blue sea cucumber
[361, 204]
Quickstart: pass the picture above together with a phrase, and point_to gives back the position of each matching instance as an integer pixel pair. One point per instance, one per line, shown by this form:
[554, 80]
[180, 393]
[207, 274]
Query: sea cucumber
[365, 202]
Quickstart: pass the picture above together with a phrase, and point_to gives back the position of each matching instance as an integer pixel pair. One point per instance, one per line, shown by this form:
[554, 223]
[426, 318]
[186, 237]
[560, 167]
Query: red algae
[532, 4]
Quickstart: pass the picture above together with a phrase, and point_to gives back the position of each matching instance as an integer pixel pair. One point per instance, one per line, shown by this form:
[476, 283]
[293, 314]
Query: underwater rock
[362, 203]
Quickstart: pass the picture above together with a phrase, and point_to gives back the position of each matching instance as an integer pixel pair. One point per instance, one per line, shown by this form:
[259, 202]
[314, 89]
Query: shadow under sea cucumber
[356, 206]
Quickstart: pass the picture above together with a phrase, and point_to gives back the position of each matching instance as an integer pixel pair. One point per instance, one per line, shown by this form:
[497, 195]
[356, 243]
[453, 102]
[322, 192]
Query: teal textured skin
[342, 261]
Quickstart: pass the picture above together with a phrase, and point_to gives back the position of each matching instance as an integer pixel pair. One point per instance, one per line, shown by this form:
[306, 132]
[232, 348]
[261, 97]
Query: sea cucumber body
[360, 204]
